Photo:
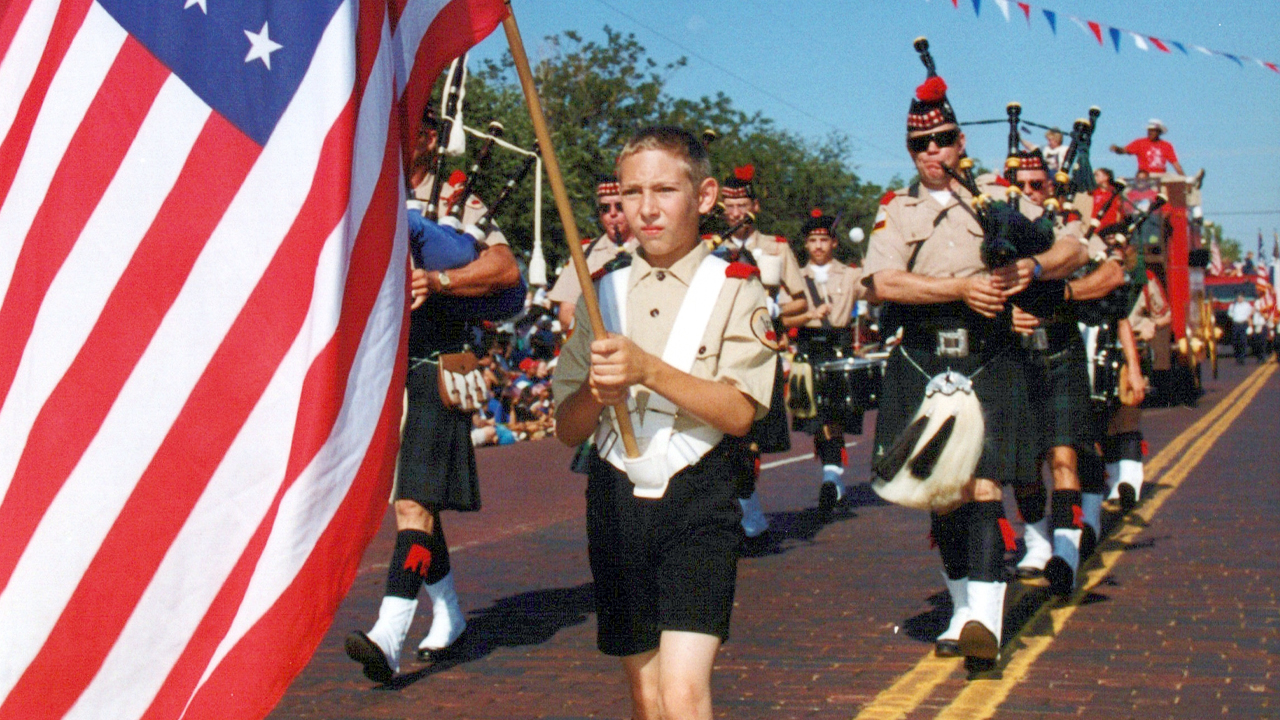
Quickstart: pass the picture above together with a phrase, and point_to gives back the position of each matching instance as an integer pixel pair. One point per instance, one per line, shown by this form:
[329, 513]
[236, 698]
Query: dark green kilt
[999, 384]
[437, 465]
[1058, 394]
[770, 432]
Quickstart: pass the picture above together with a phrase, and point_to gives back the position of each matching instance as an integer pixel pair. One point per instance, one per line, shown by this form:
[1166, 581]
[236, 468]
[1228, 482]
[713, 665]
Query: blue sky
[817, 66]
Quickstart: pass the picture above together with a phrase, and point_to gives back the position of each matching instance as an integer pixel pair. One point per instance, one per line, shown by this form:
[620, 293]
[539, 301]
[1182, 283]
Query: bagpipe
[447, 244]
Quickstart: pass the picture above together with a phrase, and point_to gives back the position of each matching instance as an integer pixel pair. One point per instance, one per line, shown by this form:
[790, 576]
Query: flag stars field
[261, 46]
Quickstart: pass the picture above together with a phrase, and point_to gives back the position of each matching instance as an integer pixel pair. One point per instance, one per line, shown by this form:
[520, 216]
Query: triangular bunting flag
[1100, 32]
[1097, 31]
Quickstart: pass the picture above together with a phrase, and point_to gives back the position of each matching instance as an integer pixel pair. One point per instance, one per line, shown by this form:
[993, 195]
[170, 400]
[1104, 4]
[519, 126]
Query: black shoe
[366, 652]
[1128, 498]
[976, 641]
[1060, 576]
[827, 497]
[946, 648]
[1088, 542]
[1028, 573]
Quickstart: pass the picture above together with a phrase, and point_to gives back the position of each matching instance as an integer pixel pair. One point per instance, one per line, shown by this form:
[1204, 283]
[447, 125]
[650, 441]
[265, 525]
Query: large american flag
[202, 304]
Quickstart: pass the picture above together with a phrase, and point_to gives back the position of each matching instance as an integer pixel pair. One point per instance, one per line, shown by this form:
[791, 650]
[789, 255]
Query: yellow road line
[980, 700]
[906, 694]
[917, 684]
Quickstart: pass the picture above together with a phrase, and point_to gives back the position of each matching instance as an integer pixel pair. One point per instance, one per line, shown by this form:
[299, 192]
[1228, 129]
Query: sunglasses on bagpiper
[606, 208]
[943, 139]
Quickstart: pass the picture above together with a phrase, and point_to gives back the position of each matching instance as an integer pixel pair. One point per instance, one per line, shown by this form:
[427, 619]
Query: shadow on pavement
[530, 618]
[788, 530]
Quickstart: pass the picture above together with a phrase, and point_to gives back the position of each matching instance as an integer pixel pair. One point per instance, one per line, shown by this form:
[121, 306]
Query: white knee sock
[1066, 545]
[1131, 474]
[1091, 506]
[394, 617]
[1036, 537]
[447, 620]
[754, 523]
[959, 591]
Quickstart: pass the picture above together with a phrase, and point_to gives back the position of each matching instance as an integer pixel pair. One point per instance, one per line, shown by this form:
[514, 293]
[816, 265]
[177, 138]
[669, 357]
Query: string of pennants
[1102, 33]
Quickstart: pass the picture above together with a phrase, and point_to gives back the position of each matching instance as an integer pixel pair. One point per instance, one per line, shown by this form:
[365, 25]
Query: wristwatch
[1037, 270]
[443, 277]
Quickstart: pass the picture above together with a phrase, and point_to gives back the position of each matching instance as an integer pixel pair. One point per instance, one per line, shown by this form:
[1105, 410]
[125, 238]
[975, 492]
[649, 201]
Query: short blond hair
[675, 140]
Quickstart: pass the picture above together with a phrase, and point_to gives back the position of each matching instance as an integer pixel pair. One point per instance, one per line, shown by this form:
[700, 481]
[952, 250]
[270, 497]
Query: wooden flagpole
[571, 235]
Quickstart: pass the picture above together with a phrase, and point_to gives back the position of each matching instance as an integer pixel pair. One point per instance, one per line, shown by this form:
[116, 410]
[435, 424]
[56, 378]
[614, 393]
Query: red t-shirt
[1152, 156]
[1112, 216]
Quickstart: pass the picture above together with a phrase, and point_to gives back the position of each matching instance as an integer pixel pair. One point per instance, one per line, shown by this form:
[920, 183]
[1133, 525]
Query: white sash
[663, 452]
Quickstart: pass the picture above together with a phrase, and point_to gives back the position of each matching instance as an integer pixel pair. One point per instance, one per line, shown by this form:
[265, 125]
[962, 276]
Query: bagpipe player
[948, 427]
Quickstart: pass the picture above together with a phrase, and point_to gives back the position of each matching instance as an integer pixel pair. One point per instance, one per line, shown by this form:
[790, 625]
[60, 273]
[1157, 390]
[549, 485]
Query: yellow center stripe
[979, 700]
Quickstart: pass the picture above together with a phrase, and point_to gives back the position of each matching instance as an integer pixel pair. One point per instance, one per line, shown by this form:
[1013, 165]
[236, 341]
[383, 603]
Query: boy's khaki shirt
[733, 348]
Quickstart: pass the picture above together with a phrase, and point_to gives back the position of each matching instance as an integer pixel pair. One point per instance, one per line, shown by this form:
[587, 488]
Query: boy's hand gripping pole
[571, 236]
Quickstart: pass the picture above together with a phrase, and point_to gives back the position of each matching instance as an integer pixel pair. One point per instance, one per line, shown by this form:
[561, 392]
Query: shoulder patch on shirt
[882, 216]
[888, 197]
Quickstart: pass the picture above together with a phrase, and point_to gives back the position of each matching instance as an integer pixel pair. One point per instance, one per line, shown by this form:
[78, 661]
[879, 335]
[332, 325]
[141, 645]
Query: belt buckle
[953, 343]
[1040, 339]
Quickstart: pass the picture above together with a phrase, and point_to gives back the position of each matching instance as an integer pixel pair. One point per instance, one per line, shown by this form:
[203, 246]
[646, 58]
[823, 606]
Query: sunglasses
[943, 139]
[1037, 185]
[606, 208]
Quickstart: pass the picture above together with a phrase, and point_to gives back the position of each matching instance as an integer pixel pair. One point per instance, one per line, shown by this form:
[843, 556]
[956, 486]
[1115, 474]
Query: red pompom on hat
[738, 185]
[457, 178]
[816, 212]
[741, 270]
[932, 90]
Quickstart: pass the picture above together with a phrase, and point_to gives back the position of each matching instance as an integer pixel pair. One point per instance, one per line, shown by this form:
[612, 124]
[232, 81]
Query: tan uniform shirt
[732, 349]
[777, 245]
[567, 289]
[948, 236]
[1151, 311]
[471, 212]
[843, 288]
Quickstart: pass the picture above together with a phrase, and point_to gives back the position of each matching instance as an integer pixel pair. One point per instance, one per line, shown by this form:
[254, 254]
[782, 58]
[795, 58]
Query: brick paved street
[1183, 623]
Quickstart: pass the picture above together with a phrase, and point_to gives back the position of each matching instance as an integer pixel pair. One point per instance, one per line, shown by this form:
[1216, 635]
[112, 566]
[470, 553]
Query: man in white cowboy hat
[1154, 155]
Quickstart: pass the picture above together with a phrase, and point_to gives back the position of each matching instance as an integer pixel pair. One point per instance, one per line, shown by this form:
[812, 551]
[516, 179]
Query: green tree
[1229, 247]
[596, 94]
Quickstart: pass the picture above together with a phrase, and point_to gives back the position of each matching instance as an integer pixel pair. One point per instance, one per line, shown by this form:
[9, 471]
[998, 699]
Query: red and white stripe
[200, 380]
[1215, 258]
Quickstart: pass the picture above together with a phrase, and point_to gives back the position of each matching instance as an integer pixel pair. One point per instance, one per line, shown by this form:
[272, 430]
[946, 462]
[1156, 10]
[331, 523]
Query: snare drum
[847, 388]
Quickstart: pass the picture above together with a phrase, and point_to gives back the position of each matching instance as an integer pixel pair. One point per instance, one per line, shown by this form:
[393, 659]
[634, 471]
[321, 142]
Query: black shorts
[666, 564]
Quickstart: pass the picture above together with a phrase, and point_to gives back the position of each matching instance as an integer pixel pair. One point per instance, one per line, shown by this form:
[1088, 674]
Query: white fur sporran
[935, 456]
